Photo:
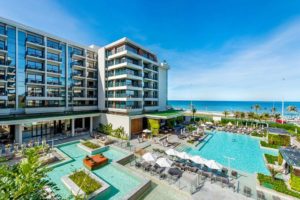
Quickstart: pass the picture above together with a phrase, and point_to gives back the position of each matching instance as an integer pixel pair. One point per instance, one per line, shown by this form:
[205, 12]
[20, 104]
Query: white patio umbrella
[183, 155]
[209, 123]
[171, 152]
[229, 124]
[198, 160]
[149, 157]
[213, 165]
[164, 162]
[146, 131]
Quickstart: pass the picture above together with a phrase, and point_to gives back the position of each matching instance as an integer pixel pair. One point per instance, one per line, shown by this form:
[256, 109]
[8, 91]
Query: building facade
[50, 85]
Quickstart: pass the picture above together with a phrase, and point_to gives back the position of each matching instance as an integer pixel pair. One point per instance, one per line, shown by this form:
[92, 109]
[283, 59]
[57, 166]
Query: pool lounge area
[236, 151]
[122, 182]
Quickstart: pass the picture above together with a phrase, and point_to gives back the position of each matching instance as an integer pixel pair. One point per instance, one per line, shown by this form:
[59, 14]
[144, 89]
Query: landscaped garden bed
[271, 159]
[84, 184]
[276, 184]
[91, 147]
[265, 144]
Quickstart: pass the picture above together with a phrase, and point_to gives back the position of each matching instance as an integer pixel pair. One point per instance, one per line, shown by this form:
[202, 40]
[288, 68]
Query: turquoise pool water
[120, 181]
[245, 151]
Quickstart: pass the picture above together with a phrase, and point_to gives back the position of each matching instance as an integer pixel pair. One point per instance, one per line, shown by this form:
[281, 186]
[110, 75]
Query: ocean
[231, 106]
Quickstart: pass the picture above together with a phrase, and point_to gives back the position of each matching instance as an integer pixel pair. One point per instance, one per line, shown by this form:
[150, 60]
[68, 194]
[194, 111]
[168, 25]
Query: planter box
[92, 151]
[78, 191]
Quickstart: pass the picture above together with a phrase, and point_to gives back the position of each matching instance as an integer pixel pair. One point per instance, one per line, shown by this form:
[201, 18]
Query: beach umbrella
[209, 123]
[198, 160]
[213, 165]
[164, 162]
[229, 124]
[183, 155]
[149, 157]
[171, 152]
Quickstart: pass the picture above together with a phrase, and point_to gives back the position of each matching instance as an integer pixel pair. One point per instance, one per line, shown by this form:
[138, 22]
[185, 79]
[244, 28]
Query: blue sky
[217, 50]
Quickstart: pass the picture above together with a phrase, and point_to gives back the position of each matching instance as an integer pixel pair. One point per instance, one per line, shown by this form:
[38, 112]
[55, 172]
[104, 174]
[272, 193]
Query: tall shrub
[154, 126]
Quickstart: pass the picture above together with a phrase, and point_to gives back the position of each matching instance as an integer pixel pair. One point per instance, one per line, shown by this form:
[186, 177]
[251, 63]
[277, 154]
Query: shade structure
[149, 157]
[183, 155]
[209, 123]
[198, 160]
[213, 165]
[146, 131]
[171, 152]
[164, 162]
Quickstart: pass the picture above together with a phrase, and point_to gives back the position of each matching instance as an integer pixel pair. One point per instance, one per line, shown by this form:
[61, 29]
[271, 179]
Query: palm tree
[292, 109]
[277, 116]
[225, 113]
[256, 107]
[194, 110]
[273, 110]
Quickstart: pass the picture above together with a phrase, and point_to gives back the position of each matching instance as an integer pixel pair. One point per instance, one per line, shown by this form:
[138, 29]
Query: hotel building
[50, 86]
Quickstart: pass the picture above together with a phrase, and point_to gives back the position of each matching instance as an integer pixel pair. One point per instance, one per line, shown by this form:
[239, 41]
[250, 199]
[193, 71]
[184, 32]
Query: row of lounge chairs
[241, 130]
[173, 174]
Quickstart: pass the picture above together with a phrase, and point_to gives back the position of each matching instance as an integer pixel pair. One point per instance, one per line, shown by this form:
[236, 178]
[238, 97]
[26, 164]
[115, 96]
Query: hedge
[265, 144]
[170, 123]
[295, 181]
[288, 127]
[280, 140]
[276, 184]
[154, 126]
[271, 159]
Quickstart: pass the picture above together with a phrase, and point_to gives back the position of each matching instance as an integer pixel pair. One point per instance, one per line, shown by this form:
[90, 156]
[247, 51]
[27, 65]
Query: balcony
[4, 63]
[54, 94]
[53, 70]
[33, 81]
[54, 58]
[3, 47]
[34, 67]
[11, 71]
[3, 32]
[93, 76]
[35, 40]
[77, 54]
[3, 78]
[49, 82]
[3, 93]
[54, 46]
[34, 94]
[35, 54]
[79, 65]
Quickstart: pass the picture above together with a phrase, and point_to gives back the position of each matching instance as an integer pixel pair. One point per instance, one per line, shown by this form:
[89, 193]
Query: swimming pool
[121, 182]
[244, 150]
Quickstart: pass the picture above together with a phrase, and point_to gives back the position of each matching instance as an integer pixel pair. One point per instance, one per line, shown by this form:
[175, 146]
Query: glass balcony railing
[2, 30]
[54, 94]
[52, 82]
[28, 80]
[54, 70]
[34, 94]
[38, 54]
[35, 67]
[81, 64]
[78, 95]
[35, 39]
[54, 45]
[3, 93]
[54, 58]
[78, 53]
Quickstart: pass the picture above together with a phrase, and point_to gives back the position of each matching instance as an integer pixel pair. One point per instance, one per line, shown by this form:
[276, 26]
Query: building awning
[169, 114]
[29, 118]
[291, 156]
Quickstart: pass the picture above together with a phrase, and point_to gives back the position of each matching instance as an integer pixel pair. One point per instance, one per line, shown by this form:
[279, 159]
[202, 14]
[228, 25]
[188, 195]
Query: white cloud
[241, 70]
[48, 16]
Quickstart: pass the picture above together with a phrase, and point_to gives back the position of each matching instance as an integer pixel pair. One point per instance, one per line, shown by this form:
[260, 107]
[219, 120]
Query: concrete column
[73, 127]
[91, 125]
[83, 122]
[18, 133]
[65, 126]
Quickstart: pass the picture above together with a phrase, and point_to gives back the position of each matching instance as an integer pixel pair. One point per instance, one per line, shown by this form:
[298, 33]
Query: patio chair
[154, 168]
[260, 195]
[146, 166]
[138, 164]
[247, 191]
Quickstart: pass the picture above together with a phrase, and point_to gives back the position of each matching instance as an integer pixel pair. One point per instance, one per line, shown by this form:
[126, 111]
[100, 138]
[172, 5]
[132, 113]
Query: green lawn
[271, 159]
